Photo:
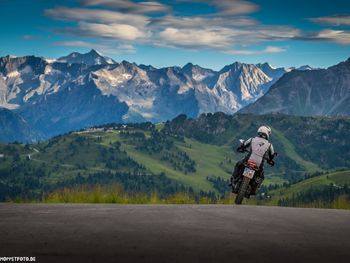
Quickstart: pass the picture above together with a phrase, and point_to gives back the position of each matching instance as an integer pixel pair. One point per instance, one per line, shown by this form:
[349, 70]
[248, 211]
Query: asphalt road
[173, 233]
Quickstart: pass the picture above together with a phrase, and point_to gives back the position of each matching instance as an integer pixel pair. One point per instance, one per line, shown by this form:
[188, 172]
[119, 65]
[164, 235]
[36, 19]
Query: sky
[161, 33]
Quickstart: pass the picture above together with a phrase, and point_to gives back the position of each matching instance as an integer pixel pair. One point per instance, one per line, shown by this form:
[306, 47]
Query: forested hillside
[181, 156]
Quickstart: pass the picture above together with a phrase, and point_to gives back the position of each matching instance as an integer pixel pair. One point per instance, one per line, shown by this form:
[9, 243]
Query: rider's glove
[240, 149]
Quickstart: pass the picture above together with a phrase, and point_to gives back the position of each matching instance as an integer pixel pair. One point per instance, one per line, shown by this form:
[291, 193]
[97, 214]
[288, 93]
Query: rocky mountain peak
[308, 92]
[91, 58]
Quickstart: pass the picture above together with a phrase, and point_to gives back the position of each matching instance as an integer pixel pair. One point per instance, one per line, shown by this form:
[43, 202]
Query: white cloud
[276, 32]
[106, 47]
[229, 7]
[226, 27]
[271, 49]
[97, 15]
[235, 7]
[202, 21]
[194, 38]
[338, 36]
[214, 31]
[116, 31]
[130, 6]
[267, 50]
[222, 38]
[336, 20]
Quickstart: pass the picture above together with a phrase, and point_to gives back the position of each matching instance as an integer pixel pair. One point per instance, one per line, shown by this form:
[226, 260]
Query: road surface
[173, 233]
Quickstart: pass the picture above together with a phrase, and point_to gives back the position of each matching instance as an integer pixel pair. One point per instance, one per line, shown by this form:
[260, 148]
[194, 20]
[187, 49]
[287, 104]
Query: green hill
[184, 155]
[325, 190]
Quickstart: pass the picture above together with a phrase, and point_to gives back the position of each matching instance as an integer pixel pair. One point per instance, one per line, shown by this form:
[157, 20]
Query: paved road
[173, 233]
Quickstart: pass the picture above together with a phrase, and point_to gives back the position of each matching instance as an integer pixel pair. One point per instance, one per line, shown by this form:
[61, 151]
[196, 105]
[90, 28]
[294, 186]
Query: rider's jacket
[259, 150]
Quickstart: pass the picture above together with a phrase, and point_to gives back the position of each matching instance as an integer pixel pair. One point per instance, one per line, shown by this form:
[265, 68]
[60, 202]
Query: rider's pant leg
[237, 171]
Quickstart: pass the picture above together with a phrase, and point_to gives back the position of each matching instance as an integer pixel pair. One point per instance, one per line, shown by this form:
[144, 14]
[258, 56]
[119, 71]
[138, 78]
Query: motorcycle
[244, 185]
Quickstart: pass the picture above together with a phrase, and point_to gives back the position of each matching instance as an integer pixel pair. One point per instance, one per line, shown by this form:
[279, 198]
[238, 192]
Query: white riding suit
[259, 150]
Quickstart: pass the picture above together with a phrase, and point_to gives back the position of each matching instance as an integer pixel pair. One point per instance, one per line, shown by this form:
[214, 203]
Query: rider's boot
[235, 188]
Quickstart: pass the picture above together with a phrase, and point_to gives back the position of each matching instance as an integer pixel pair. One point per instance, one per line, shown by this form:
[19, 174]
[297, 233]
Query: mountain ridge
[124, 91]
[93, 57]
[56, 97]
[323, 92]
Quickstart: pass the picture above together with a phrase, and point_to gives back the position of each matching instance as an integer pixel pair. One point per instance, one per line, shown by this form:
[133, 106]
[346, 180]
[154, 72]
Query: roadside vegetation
[114, 194]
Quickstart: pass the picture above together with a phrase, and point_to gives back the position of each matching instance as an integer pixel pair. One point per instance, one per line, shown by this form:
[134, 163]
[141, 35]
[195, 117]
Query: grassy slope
[211, 160]
[196, 180]
[207, 158]
[291, 153]
[337, 178]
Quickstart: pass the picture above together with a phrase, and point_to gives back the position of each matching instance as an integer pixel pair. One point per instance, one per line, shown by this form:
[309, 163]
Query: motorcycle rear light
[252, 164]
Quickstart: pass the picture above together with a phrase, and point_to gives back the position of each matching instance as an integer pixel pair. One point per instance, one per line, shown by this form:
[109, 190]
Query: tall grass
[341, 202]
[114, 194]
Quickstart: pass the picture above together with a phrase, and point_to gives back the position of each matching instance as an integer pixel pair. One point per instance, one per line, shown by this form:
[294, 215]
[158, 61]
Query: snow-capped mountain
[272, 72]
[92, 58]
[198, 73]
[305, 67]
[81, 90]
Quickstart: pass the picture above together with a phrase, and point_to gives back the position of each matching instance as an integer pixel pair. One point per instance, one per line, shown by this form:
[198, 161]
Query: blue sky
[162, 33]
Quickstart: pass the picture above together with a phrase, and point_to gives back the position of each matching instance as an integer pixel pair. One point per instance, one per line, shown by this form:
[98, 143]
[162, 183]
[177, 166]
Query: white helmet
[265, 130]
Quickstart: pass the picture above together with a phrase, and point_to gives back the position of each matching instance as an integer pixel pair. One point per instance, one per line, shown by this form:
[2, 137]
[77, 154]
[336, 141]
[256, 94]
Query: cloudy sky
[173, 32]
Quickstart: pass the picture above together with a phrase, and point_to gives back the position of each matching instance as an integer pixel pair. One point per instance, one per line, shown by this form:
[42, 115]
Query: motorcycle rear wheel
[242, 191]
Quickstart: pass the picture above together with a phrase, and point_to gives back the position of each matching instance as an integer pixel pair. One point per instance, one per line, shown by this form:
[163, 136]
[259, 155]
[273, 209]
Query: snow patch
[13, 74]
[50, 61]
[48, 69]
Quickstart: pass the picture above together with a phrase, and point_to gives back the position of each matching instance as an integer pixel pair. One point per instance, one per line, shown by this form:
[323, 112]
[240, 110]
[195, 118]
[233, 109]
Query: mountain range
[322, 92]
[83, 90]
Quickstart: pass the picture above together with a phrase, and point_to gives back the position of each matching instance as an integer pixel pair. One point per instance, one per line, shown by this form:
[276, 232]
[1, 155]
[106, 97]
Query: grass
[210, 161]
[273, 180]
[114, 194]
[291, 153]
[156, 166]
[336, 178]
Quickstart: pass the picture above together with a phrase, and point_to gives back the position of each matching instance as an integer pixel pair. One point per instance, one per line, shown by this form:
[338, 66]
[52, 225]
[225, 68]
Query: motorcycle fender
[248, 173]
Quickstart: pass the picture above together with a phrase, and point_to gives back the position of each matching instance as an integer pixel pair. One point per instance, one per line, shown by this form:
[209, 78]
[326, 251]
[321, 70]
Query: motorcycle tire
[242, 191]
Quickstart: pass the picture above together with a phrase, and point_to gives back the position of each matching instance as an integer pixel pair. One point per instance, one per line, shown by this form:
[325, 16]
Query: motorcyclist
[259, 149]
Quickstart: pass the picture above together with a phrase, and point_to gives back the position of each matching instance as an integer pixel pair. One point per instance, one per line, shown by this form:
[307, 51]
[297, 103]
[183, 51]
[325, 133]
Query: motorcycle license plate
[248, 173]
